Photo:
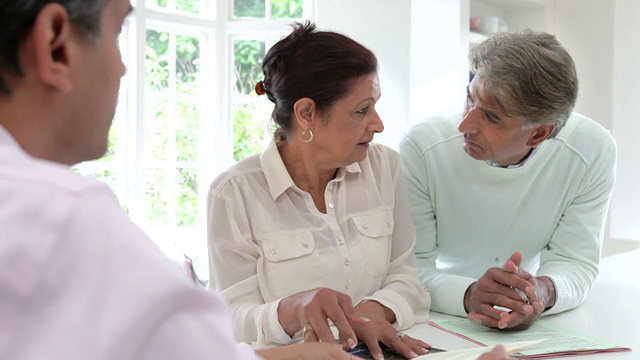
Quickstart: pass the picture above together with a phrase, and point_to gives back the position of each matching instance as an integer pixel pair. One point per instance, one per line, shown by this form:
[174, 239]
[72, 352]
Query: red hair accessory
[260, 88]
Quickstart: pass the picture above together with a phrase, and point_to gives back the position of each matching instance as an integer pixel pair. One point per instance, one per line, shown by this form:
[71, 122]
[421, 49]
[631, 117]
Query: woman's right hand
[310, 310]
[307, 351]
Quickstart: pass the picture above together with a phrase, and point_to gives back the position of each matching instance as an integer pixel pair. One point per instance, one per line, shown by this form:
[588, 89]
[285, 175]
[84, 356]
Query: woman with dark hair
[317, 228]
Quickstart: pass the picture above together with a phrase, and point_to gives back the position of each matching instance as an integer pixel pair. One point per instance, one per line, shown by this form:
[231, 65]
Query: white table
[611, 312]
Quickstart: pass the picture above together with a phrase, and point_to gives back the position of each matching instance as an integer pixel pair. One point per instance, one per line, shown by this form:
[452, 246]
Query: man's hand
[497, 287]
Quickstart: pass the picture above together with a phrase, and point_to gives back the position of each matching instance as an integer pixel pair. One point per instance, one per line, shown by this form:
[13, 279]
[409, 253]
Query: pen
[522, 295]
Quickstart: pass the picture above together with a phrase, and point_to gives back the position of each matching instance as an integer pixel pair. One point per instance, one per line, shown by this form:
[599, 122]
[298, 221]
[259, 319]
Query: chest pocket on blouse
[291, 264]
[375, 231]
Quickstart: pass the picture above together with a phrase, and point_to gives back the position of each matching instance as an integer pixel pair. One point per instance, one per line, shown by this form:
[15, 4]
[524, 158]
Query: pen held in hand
[522, 295]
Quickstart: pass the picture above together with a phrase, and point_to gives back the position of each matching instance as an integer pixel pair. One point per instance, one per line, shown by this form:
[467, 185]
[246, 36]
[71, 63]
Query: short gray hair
[530, 74]
[17, 17]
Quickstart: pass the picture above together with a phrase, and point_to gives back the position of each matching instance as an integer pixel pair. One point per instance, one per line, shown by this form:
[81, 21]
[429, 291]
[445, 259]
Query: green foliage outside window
[249, 130]
[192, 6]
[280, 9]
[172, 129]
[249, 117]
[247, 55]
[286, 9]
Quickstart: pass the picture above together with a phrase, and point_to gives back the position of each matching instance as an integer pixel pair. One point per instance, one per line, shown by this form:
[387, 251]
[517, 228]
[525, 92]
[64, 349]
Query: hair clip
[260, 88]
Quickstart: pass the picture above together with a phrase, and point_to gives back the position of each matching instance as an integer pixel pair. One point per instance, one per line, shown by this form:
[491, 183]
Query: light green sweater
[467, 213]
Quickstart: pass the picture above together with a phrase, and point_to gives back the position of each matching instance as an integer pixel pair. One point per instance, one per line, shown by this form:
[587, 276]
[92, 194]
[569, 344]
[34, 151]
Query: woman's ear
[305, 111]
[540, 133]
[52, 44]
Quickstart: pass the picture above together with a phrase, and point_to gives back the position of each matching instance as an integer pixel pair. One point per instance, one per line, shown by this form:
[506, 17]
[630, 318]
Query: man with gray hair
[510, 201]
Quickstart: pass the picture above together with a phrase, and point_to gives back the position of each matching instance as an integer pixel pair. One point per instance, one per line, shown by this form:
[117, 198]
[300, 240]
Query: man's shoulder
[431, 132]
[37, 175]
[580, 126]
[586, 136]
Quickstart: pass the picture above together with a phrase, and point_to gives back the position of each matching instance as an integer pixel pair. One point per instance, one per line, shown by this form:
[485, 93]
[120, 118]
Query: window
[188, 109]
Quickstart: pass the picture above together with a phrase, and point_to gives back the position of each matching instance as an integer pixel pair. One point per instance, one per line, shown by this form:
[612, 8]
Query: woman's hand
[309, 310]
[374, 332]
[307, 351]
[378, 329]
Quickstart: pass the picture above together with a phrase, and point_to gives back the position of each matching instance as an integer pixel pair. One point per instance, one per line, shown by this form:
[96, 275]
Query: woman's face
[348, 127]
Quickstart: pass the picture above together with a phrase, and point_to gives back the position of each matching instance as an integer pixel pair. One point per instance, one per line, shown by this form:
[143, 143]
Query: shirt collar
[275, 172]
[513, 166]
[277, 176]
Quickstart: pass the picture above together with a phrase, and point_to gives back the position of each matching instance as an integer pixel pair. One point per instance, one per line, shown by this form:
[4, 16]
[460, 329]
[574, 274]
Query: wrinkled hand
[310, 310]
[378, 329]
[497, 288]
[307, 351]
[375, 331]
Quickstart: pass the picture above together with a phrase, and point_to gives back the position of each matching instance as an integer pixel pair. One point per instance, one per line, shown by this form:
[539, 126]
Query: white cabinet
[535, 14]
[488, 16]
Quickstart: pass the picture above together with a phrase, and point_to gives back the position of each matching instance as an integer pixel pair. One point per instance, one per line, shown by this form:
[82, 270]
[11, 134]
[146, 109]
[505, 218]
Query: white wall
[585, 28]
[383, 26]
[438, 57]
[602, 37]
[625, 211]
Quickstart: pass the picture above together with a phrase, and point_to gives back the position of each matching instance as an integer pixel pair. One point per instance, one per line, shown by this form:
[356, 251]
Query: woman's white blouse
[267, 240]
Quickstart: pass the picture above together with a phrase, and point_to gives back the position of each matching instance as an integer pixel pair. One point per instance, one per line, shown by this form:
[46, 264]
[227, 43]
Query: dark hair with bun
[320, 65]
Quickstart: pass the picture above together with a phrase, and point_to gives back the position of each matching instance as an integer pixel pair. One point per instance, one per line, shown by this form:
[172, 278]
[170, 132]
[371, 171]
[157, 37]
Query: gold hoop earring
[308, 140]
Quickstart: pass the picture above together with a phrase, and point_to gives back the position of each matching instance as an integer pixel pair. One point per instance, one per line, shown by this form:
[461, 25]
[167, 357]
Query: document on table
[467, 354]
[558, 341]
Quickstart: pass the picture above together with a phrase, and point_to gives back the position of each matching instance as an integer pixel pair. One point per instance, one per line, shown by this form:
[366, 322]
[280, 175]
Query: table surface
[611, 312]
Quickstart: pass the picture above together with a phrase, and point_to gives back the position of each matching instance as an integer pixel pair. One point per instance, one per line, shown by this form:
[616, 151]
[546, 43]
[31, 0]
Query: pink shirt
[79, 280]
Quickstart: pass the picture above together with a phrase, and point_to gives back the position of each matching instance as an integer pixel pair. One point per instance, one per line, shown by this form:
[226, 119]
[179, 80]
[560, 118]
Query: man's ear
[540, 133]
[51, 41]
[305, 113]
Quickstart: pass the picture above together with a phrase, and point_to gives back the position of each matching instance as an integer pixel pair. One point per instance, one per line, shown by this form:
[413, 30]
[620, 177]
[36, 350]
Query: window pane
[161, 3]
[156, 132]
[286, 9]
[247, 60]
[250, 113]
[188, 5]
[187, 64]
[248, 8]
[192, 6]
[187, 211]
[157, 108]
[157, 60]
[187, 130]
[155, 204]
[187, 112]
[250, 129]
